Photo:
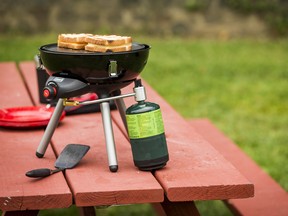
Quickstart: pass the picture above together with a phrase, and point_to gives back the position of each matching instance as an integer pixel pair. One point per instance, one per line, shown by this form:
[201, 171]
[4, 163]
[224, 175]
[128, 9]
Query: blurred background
[187, 18]
[226, 60]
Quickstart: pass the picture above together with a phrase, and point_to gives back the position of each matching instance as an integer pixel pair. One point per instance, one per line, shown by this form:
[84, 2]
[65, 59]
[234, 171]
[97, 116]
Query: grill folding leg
[109, 136]
[107, 126]
[122, 110]
[49, 131]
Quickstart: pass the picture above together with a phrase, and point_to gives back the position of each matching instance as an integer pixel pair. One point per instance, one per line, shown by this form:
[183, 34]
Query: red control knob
[49, 92]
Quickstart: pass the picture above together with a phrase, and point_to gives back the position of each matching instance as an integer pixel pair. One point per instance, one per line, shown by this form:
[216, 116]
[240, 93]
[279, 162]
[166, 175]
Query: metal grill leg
[50, 129]
[122, 110]
[121, 107]
[109, 136]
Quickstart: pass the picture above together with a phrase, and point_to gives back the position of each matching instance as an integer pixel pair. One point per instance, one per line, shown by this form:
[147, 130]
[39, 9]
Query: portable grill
[77, 72]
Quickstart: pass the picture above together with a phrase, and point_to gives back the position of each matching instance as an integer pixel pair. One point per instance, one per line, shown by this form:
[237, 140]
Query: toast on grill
[73, 41]
[108, 43]
[95, 43]
[100, 48]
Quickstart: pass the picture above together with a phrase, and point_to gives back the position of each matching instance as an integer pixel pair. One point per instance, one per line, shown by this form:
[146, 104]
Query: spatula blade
[71, 156]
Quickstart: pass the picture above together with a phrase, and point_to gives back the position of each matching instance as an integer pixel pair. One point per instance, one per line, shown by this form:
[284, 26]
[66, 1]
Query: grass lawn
[241, 86]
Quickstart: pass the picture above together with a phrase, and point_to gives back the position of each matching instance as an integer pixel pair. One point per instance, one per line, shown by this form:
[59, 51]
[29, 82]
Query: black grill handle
[38, 173]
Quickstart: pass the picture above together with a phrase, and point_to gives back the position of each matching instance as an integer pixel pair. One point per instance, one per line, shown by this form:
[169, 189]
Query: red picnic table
[195, 171]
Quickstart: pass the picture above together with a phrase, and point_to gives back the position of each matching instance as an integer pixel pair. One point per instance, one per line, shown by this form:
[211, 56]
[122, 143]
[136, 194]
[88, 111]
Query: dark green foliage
[274, 12]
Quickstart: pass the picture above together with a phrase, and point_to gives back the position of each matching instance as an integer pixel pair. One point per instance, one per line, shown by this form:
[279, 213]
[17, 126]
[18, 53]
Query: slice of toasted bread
[73, 41]
[109, 40]
[78, 46]
[99, 48]
[73, 38]
[95, 43]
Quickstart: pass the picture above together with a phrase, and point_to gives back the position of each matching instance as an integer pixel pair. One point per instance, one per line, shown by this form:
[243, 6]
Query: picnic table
[195, 171]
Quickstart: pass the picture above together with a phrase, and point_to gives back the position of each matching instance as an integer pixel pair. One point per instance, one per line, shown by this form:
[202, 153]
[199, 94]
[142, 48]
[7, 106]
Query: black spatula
[68, 158]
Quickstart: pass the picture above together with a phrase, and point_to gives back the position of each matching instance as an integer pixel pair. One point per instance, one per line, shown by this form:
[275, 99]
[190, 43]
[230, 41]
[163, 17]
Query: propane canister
[146, 132]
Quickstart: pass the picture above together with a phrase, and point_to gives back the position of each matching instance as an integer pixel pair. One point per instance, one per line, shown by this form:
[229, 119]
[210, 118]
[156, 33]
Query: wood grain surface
[195, 171]
[270, 198]
[91, 181]
[18, 192]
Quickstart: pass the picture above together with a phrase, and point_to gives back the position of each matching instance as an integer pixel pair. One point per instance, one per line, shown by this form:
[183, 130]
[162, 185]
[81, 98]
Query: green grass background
[240, 85]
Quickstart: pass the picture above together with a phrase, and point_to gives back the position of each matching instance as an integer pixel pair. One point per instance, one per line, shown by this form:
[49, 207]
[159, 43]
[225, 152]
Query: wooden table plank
[270, 198]
[179, 208]
[91, 181]
[30, 80]
[105, 188]
[196, 171]
[13, 92]
[17, 155]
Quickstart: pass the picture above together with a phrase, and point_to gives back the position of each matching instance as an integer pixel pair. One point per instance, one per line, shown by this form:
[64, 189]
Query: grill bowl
[93, 67]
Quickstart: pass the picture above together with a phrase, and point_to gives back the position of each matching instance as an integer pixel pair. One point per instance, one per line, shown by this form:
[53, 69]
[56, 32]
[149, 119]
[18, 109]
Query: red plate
[26, 116]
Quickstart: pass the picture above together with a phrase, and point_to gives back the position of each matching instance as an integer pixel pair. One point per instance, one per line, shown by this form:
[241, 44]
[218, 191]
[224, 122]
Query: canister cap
[140, 94]
[138, 83]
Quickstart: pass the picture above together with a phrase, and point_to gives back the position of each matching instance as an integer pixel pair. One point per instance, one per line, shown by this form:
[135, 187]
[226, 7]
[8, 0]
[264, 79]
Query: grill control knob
[50, 91]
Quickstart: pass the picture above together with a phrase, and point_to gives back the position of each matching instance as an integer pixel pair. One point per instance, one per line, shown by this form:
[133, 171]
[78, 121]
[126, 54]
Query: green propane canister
[146, 132]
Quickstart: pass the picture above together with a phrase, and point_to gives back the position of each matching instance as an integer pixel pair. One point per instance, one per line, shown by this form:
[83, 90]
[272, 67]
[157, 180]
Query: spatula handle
[38, 173]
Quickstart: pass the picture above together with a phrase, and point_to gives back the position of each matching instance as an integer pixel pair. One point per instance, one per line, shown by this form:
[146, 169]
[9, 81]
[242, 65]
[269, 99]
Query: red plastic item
[31, 116]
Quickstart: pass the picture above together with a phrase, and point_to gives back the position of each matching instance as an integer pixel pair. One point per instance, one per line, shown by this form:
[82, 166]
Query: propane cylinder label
[145, 124]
